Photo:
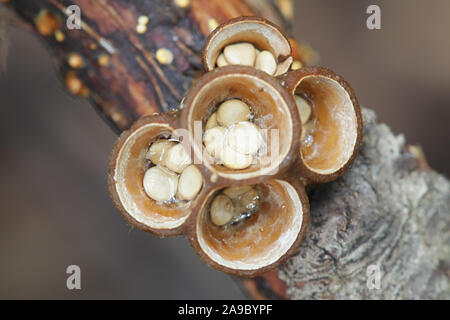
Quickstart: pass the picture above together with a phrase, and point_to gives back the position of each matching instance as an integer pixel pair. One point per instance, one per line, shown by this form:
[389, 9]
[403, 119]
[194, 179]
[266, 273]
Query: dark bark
[133, 82]
[389, 210]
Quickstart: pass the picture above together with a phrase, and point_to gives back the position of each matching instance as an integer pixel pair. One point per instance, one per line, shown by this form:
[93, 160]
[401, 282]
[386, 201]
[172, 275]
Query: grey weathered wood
[388, 210]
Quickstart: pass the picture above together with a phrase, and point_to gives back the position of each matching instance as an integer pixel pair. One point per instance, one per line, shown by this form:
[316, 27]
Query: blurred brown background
[54, 207]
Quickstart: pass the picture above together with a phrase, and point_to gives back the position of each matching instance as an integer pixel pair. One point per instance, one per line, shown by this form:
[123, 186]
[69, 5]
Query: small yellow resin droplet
[164, 56]
[47, 23]
[59, 36]
[141, 28]
[286, 7]
[75, 60]
[182, 3]
[143, 20]
[296, 65]
[103, 60]
[212, 24]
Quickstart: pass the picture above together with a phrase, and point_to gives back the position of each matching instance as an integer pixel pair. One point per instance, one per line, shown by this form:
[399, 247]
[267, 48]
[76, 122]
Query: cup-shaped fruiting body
[259, 211]
[332, 128]
[233, 182]
[260, 240]
[250, 41]
[150, 180]
[272, 127]
[262, 222]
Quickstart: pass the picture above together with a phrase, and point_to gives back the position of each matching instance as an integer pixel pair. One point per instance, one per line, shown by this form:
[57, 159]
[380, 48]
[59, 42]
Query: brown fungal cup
[334, 140]
[260, 242]
[249, 219]
[272, 107]
[260, 32]
[125, 178]
[267, 235]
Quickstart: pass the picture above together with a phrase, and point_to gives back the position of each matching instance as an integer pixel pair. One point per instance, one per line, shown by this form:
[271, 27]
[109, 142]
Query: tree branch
[120, 72]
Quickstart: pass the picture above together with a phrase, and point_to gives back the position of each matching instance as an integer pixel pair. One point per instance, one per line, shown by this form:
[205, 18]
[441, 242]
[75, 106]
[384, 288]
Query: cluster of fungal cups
[236, 186]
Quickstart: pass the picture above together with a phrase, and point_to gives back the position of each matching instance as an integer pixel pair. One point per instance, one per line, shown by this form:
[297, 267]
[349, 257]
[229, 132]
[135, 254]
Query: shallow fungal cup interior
[258, 32]
[259, 240]
[332, 142]
[269, 109]
[130, 167]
